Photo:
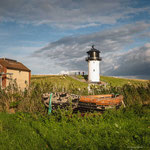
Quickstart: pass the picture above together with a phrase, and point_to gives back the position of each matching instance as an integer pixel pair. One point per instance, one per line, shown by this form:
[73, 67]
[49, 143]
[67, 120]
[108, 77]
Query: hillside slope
[115, 81]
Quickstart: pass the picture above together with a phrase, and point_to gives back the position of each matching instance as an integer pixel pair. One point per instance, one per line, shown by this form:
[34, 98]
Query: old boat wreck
[82, 103]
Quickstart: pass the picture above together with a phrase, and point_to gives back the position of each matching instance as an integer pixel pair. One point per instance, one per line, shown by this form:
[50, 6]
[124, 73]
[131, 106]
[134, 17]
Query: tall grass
[30, 100]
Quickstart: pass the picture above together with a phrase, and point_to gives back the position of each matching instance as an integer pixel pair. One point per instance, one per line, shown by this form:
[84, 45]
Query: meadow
[119, 82]
[25, 124]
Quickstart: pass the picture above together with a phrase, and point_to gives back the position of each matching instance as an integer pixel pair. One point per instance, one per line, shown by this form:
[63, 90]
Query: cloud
[68, 14]
[135, 62]
[70, 52]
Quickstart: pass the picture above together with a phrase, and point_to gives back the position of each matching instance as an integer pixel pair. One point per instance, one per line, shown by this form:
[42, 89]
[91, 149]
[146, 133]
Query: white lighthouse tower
[93, 65]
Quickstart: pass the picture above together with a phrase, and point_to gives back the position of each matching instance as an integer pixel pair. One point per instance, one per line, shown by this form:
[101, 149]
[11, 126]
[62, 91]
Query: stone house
[12, 72]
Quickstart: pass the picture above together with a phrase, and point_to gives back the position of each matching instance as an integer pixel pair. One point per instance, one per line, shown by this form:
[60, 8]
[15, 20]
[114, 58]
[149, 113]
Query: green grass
[119, 82]
[18, 135]
[59, 82]
[122, 129]
[114, 81]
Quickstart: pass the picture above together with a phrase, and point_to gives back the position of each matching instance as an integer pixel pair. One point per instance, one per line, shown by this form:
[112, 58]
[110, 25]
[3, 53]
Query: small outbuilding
[12, 72]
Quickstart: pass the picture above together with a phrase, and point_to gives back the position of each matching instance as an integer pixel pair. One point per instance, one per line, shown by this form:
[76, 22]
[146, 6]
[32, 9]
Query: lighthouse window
[94, 70]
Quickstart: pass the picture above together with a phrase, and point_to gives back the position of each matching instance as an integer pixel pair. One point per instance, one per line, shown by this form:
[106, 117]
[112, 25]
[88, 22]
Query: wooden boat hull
[104, 100]
[99, 102]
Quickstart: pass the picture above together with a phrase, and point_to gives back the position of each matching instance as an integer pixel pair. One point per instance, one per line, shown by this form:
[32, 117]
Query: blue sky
[53, 36]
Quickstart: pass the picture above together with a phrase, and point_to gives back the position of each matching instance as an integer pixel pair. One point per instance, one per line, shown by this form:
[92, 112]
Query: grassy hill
[67, 80]
[115, 81]
[58, 80]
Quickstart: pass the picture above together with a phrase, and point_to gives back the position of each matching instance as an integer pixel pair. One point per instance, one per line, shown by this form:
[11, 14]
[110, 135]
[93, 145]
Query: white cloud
[135, 62]
[66, 13]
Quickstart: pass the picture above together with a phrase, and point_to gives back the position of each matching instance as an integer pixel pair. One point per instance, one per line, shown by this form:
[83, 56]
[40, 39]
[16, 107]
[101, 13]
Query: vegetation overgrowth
[30, 127]
[30, 100]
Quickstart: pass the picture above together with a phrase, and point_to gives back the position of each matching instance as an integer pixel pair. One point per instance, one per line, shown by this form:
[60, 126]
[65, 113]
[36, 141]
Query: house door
[0, 81]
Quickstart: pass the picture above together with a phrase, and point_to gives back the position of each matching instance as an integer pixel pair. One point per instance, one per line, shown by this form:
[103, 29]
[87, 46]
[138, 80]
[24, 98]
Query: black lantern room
[93, 54]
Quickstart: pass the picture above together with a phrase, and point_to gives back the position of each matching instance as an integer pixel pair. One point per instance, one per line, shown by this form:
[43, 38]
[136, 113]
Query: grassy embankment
[59, 82]
[114, 81]
[119, 82]
[32, 128]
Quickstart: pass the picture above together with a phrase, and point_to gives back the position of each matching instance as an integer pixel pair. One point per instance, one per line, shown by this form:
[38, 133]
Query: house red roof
[13, 64]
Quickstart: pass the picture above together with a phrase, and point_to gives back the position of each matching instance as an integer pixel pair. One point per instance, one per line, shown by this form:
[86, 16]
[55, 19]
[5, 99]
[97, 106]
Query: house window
[26, 82]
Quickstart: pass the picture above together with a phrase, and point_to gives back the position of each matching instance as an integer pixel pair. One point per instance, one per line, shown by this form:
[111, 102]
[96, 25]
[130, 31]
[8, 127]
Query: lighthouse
[93, 60]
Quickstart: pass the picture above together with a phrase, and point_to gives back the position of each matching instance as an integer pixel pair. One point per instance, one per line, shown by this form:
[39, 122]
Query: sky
[51, 36]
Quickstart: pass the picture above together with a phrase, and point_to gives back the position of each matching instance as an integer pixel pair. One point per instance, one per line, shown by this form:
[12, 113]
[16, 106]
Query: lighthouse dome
[93, 54]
